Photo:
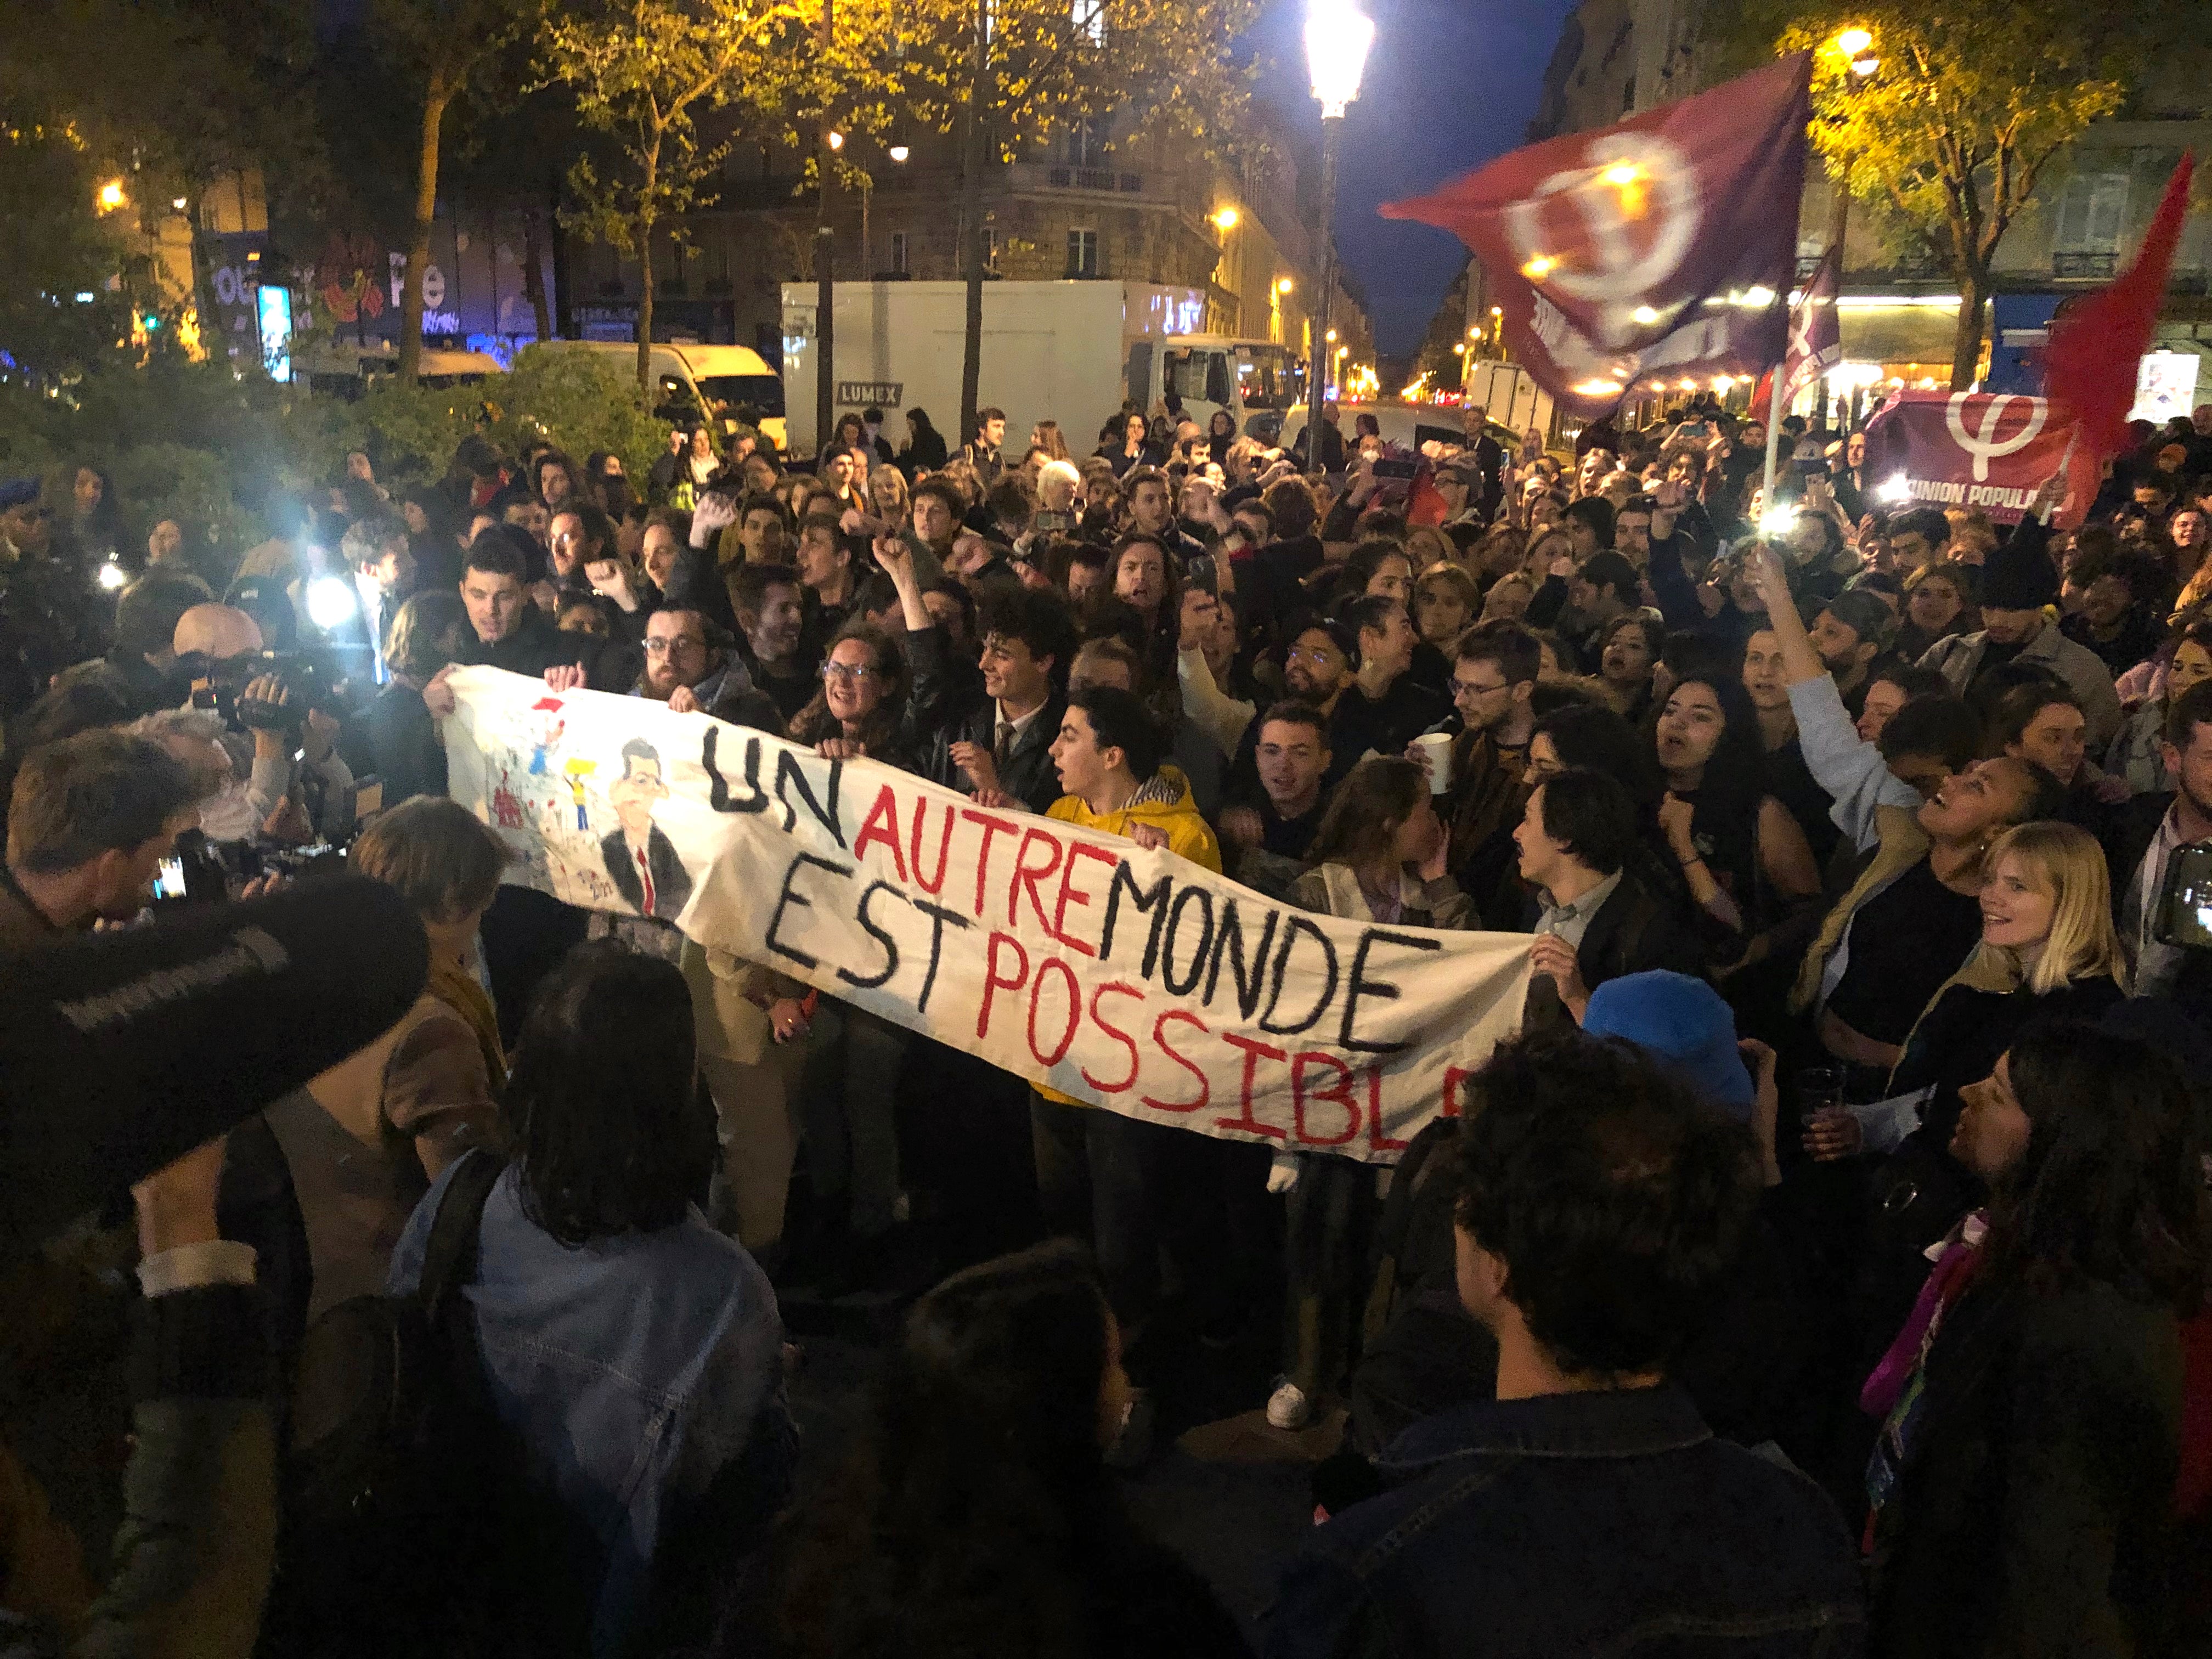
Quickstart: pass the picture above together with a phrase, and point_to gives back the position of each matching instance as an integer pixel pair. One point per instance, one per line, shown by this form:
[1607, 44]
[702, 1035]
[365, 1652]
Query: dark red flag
[1648, 254]
[2089, 364]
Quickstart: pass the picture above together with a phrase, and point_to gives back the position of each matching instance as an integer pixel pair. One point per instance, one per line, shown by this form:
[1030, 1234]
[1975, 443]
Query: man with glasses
[1492, 682]
[688, 666]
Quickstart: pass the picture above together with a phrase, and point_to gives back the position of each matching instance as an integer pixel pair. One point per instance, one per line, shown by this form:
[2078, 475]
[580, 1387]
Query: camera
[2185, 903]
[313, 680]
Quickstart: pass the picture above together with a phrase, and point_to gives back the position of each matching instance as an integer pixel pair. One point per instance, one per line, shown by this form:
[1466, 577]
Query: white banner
[1130, 979]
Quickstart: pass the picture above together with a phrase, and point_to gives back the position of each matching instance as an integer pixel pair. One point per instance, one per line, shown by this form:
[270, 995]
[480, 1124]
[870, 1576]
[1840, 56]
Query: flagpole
[1773, 437]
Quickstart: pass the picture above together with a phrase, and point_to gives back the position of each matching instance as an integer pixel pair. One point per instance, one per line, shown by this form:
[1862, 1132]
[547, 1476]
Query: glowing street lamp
[1338, 37]
[899, 152]
[110, 196]
[1224, 218]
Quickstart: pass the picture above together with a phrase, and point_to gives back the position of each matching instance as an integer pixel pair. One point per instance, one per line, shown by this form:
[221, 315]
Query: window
[898, 253]
[1089, 20]
[1083, 253]
[2092, 211]
[1085, 144]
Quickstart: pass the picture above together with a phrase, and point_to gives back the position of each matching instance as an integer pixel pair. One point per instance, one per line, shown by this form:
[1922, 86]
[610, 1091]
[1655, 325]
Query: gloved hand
[1282, 1172]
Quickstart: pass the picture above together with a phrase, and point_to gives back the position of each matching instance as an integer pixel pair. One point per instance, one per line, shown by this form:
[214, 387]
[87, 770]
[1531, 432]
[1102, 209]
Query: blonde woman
[888, 497]
[2048, 951]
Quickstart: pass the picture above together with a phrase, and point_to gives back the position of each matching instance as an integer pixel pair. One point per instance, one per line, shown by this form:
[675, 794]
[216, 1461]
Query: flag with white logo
[1651, 256]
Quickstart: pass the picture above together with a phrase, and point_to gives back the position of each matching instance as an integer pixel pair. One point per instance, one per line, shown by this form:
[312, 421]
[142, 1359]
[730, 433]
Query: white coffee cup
[1436, 747]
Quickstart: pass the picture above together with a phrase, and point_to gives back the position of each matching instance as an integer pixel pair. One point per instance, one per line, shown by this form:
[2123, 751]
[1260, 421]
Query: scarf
[458, 991]
[1896, 1390]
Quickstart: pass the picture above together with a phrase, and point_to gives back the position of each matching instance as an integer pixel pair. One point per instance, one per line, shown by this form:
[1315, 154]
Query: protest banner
[1128, 978]
[1990, 452]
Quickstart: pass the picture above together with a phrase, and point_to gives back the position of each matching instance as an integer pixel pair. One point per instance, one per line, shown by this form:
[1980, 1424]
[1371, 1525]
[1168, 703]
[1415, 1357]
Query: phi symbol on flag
[1984, 444]
[1638, 198]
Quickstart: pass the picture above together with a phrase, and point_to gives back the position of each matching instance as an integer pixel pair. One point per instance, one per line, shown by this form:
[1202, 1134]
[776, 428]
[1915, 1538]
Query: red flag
[1425, 506]
[2095, 341]
[1646, 254]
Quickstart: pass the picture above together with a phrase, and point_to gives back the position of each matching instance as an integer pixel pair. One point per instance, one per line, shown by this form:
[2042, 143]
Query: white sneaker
[1288, 1407]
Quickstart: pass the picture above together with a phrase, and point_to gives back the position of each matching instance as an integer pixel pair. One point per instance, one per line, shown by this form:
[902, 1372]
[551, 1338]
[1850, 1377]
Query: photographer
[90, 820]
[281, 726]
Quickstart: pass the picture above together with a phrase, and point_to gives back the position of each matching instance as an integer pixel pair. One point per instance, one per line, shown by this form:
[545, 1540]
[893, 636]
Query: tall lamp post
[1338, 36]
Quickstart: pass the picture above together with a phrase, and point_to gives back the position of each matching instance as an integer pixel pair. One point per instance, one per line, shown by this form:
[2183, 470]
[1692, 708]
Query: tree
[450, 44]
[643, 71]
[1008, 71]
[1946, 139]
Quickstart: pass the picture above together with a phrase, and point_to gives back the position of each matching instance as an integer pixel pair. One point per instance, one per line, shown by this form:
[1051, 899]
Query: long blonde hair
[2065, 861]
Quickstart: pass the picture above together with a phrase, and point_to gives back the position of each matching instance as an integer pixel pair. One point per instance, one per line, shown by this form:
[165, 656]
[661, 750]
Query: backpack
[411, 1520]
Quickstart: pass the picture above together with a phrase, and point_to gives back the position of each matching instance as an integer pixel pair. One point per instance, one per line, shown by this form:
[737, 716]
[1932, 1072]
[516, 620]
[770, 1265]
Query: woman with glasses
[848, 1093]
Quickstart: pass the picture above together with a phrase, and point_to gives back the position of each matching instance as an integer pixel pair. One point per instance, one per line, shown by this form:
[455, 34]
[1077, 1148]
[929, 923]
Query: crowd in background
[1820, 1270]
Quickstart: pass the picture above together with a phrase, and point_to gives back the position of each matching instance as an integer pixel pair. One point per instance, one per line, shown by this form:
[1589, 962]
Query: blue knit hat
[1681, 1021]
[17, 492]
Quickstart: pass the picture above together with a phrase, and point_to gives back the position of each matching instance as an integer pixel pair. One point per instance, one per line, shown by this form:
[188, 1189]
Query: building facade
[1898, 314]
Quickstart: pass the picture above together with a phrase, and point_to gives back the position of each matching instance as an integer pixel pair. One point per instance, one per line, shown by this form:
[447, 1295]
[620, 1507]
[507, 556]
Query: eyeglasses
[1318, 658]
[850, 673]
[662, 647]
[1468, 689]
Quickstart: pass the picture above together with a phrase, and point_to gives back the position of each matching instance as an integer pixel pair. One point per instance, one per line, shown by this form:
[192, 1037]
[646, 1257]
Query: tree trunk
[971, 226]
[533, 275]
[418, 240]
[1966, 342]
[645, 274]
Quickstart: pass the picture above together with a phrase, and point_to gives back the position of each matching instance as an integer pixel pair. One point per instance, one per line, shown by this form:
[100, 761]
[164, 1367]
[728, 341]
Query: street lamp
[1338, 37]
[1224, 218]
[110, 196]
[899, 152]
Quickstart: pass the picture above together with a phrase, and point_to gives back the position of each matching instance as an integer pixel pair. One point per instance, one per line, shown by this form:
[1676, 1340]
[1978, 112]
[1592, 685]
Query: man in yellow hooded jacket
[1100, 1174]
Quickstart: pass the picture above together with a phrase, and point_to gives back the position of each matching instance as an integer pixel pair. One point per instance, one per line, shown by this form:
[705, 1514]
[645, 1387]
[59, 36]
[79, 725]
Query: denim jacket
[634, 1368]
[1610, 1522]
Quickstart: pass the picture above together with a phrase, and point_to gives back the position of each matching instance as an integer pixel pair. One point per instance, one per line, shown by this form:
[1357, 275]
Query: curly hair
[1615, 1201]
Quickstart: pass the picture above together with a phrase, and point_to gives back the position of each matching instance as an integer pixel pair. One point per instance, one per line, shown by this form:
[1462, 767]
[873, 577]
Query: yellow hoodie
[1165, 803]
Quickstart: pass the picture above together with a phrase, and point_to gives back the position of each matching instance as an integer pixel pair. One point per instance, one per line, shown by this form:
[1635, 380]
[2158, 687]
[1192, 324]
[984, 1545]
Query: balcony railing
[2077, 263]
[1103, 179]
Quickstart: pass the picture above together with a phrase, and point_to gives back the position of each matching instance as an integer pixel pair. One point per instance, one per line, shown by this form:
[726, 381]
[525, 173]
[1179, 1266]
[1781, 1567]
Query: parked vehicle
[1065, 351]
[726, 385]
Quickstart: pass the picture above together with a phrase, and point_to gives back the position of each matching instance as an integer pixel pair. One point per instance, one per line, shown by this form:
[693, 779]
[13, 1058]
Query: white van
[723, 383]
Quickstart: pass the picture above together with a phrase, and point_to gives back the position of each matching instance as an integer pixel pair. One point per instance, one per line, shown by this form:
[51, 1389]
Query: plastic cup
[1436, 747]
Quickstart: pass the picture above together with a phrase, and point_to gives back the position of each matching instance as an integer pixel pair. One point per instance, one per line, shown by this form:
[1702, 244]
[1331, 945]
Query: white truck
[1065, 351]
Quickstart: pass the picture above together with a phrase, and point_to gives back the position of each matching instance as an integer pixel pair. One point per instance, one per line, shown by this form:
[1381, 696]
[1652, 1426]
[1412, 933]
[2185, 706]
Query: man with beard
[1317, 671]
[688, 666]
[767, 599]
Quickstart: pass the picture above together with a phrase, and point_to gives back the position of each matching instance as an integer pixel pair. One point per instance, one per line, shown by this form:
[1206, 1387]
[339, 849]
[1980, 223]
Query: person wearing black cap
[2018, 581]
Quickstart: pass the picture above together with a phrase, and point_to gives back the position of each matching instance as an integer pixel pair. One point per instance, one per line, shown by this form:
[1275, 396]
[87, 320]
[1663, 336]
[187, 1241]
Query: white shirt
[2156, 964]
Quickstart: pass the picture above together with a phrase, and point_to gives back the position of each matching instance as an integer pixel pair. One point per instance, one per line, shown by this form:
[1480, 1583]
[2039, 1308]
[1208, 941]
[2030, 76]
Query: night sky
[1449, 85]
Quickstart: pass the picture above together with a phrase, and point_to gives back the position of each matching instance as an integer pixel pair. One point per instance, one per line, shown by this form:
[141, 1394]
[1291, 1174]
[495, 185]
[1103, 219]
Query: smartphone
[169, 879]
[2185, 904]
[1387, 468]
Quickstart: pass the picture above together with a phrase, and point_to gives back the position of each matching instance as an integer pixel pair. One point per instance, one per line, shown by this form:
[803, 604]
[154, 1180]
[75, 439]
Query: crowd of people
[1822, 1268]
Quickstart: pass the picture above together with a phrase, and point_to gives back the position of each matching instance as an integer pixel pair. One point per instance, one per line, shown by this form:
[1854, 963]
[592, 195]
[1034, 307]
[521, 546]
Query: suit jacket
[671, 882]
[942, 713]
[1635, 930]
